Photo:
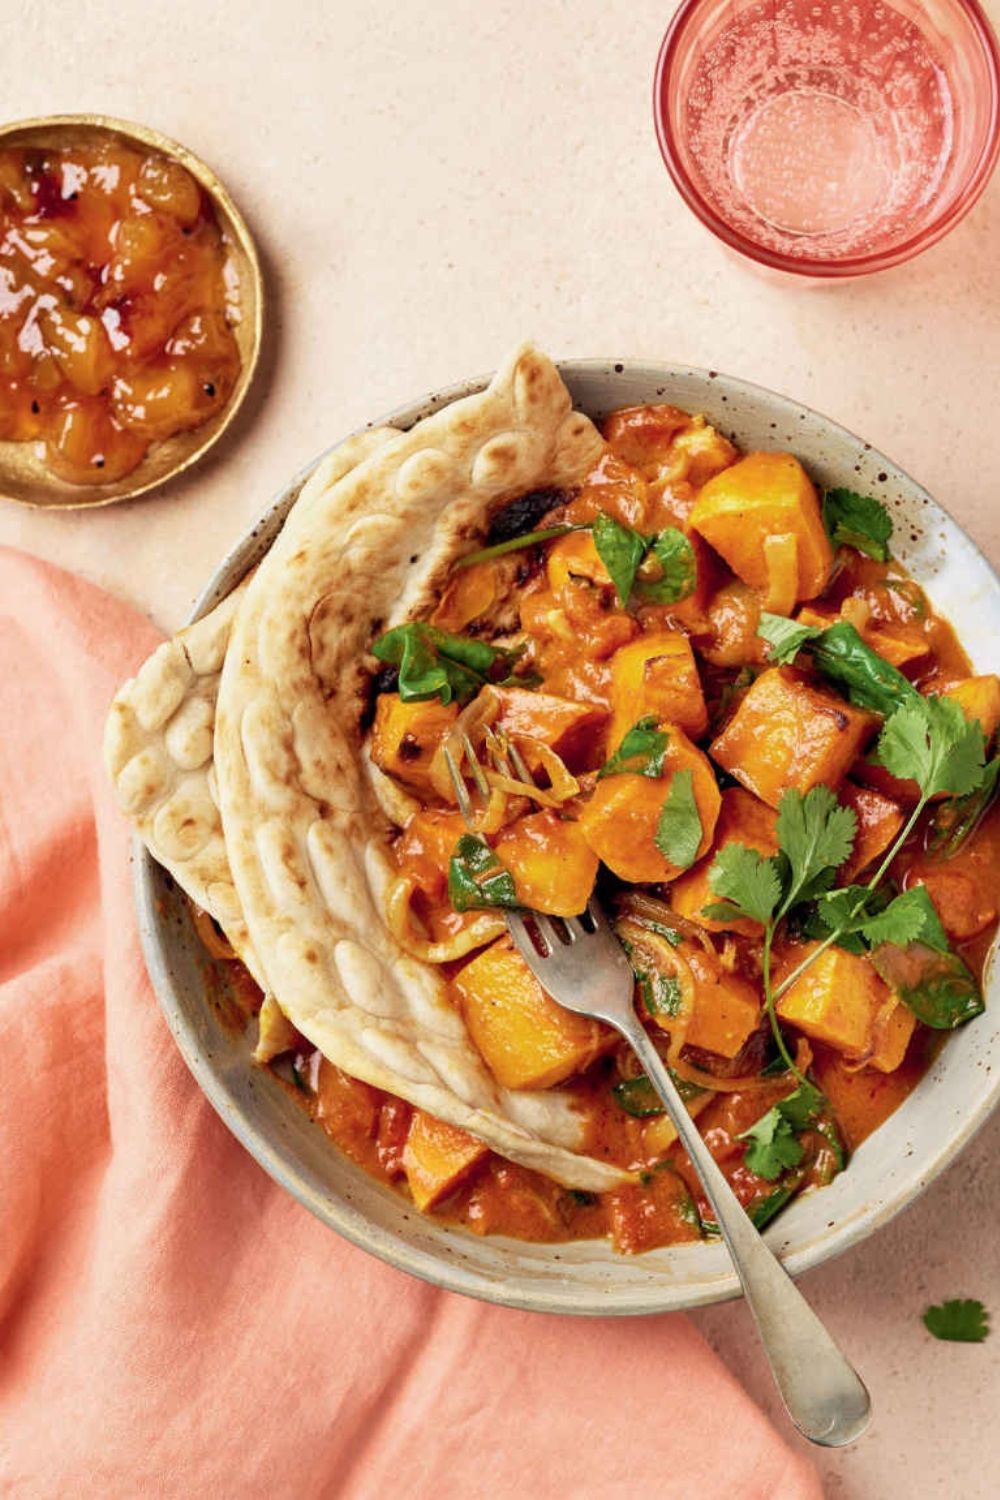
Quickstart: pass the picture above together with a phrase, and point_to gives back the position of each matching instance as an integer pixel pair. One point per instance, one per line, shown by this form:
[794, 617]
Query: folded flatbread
[274, 826]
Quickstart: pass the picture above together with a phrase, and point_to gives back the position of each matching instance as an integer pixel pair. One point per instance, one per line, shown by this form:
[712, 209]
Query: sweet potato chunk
[836, 1000]
[656, 674]
[763, 496]
[621, 818]
[789, 733]
[966, 906]
[553, 866]
[978, 698]
[405, 736]
[893, 1031]
[879, 821]
[437, 1157]
[742, 820]
[425, 848]
[726, 1006]
[572, 730]
[526, 1040]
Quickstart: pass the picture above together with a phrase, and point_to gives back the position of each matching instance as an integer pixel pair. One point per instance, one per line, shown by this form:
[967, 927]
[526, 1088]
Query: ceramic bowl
[24, 475]
[888, 1170]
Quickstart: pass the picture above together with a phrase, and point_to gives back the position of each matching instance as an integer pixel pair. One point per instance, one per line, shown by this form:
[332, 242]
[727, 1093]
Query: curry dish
[690, 677]
[674, 677]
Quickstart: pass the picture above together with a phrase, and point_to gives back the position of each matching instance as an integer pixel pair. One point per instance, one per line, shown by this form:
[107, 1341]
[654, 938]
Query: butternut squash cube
[659, 1132]
[789, 733]
[763, 496]
[836, 1000]
[437, 1158]
[656, 674]
[425, 848]
[553, 866]
[405, 736]
[892, 1037]
[573, 730]
[621, 819]
[726, 1006]
[525, 1039]
[742, 820]
[879, 821]
[978, 698]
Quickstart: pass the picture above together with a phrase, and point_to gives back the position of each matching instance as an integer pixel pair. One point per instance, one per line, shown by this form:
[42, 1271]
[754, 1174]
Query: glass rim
[817, 266]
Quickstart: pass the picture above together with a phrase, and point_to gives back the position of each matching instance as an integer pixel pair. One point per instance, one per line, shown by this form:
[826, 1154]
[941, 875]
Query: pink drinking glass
[829, 139]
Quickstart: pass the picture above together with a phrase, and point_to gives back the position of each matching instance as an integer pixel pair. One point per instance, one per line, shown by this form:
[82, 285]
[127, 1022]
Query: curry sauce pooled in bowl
[116, 304]
[750, 734]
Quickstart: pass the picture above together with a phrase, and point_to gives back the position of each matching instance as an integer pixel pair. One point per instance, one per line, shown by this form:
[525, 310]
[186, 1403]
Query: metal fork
[581, 964]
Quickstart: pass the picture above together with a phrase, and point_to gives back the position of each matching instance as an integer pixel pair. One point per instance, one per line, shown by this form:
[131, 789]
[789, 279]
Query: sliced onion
[645, 909]
[474, 720]
[409, 934]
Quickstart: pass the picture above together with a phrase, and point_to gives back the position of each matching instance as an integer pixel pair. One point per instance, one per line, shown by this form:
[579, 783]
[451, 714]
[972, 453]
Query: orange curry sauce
[114, 330]
[555, 601]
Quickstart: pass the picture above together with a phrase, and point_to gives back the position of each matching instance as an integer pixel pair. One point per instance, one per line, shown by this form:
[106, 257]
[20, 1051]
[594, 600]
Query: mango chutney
[115, 308]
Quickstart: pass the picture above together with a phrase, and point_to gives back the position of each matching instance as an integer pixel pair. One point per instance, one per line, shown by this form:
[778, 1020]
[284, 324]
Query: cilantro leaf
[816, 835]
[476, 877]
[640, 753]
[433, 663]
[932, 742]
[660, 993]
[858, 521]
[910, 918]
[774, 1143]
[678, 830]
[621, 550]
[773, 1146]
[747, 881]
[678, 565]
[960, 1321]
[785, 637]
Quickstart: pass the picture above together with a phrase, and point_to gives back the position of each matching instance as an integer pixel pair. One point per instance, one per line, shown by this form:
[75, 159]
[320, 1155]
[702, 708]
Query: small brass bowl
[24, 475]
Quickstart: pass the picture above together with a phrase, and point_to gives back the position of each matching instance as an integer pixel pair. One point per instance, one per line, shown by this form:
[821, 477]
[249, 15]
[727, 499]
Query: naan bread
[159, 738]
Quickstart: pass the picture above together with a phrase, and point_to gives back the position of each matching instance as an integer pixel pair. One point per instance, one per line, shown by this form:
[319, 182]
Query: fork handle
[825, 1397]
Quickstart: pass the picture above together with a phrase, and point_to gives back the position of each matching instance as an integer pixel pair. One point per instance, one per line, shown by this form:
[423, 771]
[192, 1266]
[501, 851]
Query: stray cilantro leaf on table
[476, 877]
[640, 753]
[959, 1321]
[858, 521]
[678, 830]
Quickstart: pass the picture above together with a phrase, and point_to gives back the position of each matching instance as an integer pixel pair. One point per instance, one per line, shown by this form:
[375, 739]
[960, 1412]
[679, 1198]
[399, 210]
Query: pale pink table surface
[431, 182]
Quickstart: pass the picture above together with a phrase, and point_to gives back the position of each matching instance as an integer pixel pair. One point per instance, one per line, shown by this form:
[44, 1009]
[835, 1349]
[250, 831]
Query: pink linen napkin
[173, 1324]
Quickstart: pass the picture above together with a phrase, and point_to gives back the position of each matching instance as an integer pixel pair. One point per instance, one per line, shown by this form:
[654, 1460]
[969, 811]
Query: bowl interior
[24, 476]
[886, 1172]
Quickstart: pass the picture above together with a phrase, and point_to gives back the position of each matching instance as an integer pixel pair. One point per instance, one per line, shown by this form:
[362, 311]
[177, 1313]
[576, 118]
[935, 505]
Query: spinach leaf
[640, 753]
[433, 663]
[955, 821]
[858, 521]
[785, 637]
[476, 877]
[679, 568]
[637, 1096]
[621, 550]
[515, 544]
[678, 830]
[862, 675]
[939, 988]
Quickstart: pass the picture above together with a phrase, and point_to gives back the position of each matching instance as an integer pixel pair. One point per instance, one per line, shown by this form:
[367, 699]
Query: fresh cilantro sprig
[960, 1321]
[640, 753]
[930, 741]
[774, 1144]
[433, 663]
[815, 837]
[858, 521]
[622, 550]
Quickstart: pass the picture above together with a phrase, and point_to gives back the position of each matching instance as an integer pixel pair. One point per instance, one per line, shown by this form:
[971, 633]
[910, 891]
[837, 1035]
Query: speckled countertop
[430, 183]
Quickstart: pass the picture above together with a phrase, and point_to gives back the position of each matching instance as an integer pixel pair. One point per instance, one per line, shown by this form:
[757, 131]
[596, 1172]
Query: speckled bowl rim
[565, 1296]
